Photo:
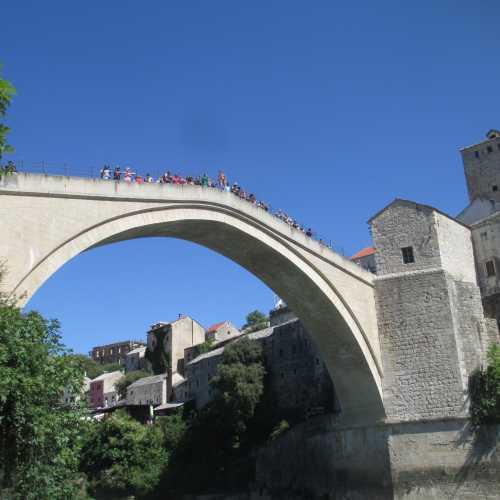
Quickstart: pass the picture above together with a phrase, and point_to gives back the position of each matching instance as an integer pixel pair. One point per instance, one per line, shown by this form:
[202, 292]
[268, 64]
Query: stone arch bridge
[47, 220]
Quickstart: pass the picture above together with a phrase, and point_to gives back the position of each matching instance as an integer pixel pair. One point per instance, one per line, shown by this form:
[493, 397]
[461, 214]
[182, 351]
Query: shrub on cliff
[484, 389]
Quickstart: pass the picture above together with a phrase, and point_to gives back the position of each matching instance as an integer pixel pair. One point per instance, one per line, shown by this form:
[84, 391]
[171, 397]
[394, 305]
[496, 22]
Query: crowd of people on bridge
[222, 183]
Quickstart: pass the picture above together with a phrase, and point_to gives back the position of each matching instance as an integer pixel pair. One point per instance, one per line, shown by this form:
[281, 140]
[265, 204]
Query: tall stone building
[482, 168]
[482, 171]
[166, 345]
[432, 328]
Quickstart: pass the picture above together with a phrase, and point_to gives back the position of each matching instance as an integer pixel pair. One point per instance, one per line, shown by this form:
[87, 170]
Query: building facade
[148, 391]
[167, 343]
[482, 171]
[114, 353]
[136, 359]
[221, 331]
[432, 328]
[102, 392]
[298, 379]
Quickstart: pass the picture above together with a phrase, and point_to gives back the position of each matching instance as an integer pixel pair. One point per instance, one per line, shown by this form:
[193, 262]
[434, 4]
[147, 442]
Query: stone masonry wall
[455, 248]
[422, 374]
[405, 224]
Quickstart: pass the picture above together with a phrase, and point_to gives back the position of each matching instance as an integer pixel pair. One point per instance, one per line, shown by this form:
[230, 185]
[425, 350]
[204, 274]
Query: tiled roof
[363, 253]
[149, 380]
[107, 375]
[215, 327]
[210, 354]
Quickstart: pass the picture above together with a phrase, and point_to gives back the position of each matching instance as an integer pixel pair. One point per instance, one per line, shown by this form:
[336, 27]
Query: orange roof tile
[363, 253]
[213, 328]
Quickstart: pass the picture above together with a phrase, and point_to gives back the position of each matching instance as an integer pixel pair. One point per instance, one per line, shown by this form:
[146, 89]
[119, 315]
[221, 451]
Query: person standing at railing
[222, 180]
[127, 176]
[106, 173]
[117, 174]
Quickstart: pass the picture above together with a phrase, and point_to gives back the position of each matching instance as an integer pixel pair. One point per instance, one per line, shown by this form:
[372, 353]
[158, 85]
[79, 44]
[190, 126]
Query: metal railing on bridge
[94, 172]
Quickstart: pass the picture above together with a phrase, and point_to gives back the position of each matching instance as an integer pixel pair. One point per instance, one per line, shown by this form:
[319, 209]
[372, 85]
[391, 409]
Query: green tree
[129, 378]
[91, 368]
[7, 92]
[256, 320]
[39, 438]
[239, 385]
[484, 388]
[123, 457]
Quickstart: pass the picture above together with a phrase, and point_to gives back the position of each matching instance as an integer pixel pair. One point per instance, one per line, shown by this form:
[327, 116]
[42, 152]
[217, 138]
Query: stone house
[221, 331]
[148, 391]
[103, 390]
[135, 360]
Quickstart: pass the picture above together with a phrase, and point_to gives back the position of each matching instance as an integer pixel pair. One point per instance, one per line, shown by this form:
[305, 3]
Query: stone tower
[482, 168]
[431, 323]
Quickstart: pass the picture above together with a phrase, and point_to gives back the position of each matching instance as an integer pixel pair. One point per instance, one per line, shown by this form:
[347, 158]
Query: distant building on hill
[114, 353]
[148, 391]
[221, 331]
[103, 390]
[135, 359]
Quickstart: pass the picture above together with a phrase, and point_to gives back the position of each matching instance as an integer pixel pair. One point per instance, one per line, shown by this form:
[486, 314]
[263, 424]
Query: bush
[281, 428]
[121, 456]
[484, 390]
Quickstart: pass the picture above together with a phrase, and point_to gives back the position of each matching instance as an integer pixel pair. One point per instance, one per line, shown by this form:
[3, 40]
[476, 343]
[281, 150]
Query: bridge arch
[315, 286]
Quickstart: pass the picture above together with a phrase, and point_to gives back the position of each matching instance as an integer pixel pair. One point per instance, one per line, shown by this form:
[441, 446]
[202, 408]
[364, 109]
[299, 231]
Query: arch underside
[308, 293]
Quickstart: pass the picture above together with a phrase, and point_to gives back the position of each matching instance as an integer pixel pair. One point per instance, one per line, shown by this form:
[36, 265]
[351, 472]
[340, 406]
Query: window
[484, 236]
[494, 188]
[295, 371]
[281, 353]
[476, 154]
[489, 149]
[490, 268]
[407, 255]
[317, 361]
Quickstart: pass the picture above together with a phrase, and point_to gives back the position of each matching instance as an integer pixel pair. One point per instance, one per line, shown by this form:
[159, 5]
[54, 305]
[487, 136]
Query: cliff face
[322, 460]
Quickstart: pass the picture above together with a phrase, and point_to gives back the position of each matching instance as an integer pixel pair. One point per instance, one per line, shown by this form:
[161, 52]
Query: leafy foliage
[484, 389]
[91, 368]
[205, 347]
[256, 320]
[280, 429]
[7, 92]
[121, 456]
[39, 438]
[129, 378]
[212, 452]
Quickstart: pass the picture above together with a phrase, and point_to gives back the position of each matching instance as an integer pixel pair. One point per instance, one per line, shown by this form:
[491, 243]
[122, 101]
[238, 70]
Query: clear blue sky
[326, 109]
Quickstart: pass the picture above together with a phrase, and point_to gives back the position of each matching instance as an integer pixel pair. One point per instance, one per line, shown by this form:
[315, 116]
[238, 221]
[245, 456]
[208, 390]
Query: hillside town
[180, 357]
